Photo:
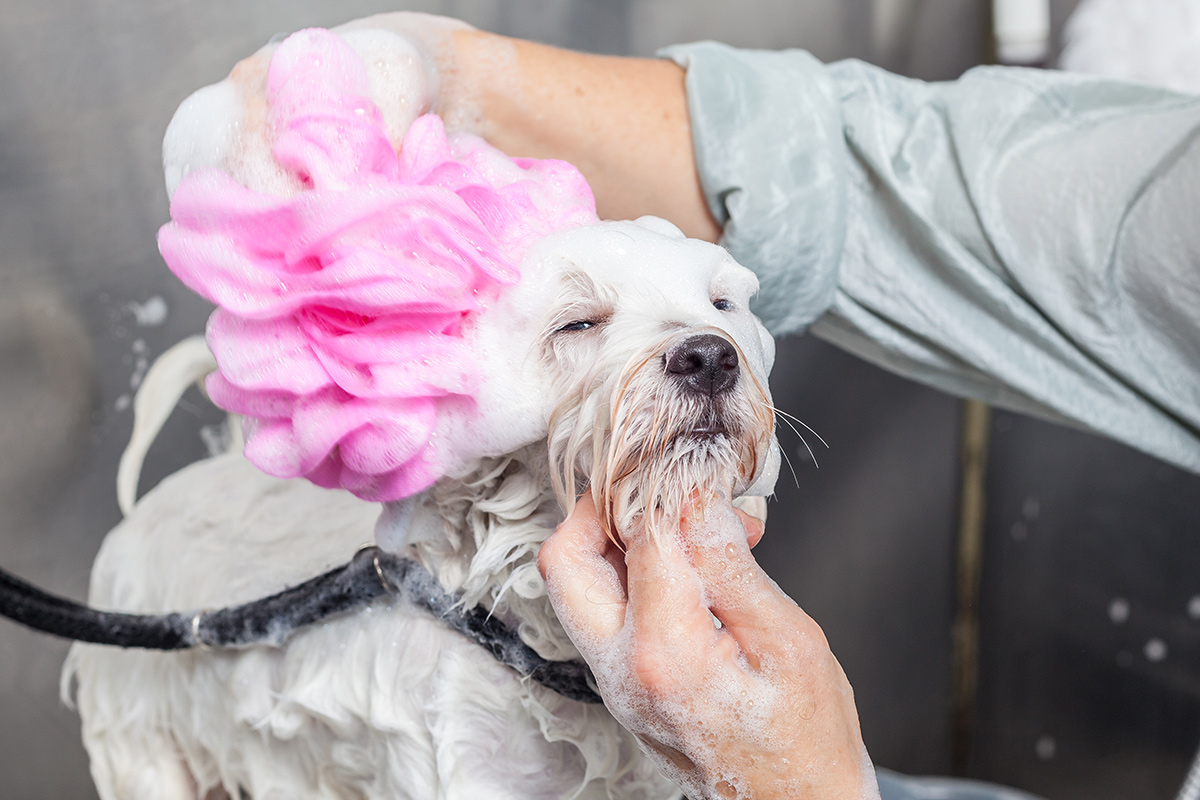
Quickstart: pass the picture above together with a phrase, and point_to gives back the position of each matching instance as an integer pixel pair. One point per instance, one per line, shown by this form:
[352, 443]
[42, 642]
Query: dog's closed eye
[579, 325]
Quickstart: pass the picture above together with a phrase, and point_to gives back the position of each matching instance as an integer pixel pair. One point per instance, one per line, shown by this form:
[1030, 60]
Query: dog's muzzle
[705, 364]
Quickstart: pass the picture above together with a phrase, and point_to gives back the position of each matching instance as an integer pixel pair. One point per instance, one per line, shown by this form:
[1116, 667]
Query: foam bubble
[151, 313]
[202, 132]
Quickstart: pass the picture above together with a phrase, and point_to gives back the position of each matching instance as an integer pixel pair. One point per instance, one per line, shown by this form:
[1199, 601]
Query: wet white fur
[388, 703]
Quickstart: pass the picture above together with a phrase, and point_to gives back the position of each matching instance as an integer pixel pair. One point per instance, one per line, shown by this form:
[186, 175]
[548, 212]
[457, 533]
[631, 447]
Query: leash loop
[383, 581]
[197, 641]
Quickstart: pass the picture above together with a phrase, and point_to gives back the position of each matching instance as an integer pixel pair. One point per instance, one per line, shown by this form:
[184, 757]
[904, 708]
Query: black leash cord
[30, 606]
[370, 575]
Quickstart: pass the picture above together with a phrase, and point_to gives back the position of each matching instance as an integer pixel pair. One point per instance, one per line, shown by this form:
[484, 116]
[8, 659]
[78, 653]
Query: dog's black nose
[706, 364]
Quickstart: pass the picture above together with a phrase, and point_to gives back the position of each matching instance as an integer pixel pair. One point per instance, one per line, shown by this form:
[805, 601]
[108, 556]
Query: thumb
[585, 580]
[739, 592]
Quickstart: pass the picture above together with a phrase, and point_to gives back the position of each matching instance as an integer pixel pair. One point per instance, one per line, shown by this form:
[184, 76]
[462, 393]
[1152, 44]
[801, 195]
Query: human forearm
[622, 121]
[1022, 236]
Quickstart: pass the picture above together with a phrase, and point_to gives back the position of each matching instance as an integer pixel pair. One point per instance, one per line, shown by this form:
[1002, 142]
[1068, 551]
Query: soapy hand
[728, 685]
[409, 58]
[622, 122]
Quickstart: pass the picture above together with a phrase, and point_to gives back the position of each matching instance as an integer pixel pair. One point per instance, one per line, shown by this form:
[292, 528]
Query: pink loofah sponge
[342, 309]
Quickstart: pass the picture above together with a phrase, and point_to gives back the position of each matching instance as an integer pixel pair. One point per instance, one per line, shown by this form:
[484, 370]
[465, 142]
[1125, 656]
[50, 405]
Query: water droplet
[730, 550]
[1193, 608]
[1045, 748]
[151, 313]
[1118, 610]
[1031, 508]
[1155, 650]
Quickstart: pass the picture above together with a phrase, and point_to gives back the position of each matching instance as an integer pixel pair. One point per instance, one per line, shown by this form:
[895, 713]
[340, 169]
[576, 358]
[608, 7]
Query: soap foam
[402, 84]
[202, 132]
[339, 332]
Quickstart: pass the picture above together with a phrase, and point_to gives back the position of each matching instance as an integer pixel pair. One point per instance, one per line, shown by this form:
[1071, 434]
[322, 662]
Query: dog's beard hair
[628, 431]
[494, 521]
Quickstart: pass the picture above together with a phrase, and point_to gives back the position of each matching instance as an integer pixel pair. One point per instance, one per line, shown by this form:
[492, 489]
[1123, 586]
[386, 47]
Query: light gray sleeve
[1021, 236]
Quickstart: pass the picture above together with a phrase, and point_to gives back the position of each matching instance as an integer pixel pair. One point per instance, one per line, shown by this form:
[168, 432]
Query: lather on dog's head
[388, 319]
[645, 363]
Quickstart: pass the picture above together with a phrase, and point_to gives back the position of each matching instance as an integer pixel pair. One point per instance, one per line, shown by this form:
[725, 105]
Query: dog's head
[633, 349]
[389, 318]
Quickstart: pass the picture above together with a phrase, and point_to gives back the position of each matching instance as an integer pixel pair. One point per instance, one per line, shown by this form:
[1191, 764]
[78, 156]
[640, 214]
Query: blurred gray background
[1089, 681]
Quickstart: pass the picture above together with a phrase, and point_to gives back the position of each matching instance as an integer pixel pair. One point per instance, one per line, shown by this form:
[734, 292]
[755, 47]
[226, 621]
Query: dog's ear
[660, 226]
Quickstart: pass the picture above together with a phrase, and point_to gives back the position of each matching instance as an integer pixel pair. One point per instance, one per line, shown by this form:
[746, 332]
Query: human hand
[623, 122]
[757, 707]
[435, 81]
[409, 60]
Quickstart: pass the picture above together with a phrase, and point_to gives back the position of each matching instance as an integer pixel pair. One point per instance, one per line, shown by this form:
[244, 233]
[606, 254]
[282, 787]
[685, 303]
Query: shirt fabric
[1025, 237]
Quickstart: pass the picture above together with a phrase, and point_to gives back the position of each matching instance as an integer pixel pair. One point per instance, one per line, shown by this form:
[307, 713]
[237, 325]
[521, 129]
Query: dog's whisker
[787, 460]
[796, 419]
[804, 441]
[792, 427]
[811, 454]
[787, 419]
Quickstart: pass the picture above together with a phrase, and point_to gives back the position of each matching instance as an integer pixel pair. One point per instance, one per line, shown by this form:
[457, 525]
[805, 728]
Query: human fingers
[793, 676]
[442, 42]
[432, 38]
[585, 577]
[407, 57]
[429, 29]
[755, 527]
[748, 603]
[672, 627]
[229, 125]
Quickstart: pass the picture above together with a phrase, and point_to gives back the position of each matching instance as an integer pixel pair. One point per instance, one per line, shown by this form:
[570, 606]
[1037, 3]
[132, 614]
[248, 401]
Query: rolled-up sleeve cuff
[767, 131]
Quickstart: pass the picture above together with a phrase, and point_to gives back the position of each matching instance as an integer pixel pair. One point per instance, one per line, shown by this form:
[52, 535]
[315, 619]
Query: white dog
[624, 360]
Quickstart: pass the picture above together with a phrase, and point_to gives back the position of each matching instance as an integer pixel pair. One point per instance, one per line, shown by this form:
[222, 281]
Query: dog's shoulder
[219, 532]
